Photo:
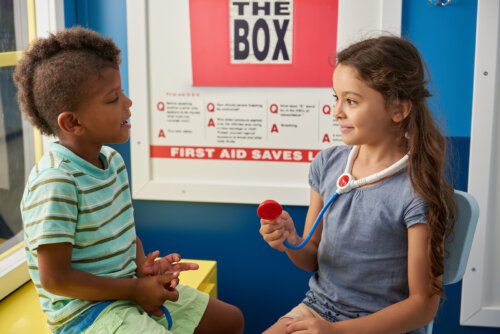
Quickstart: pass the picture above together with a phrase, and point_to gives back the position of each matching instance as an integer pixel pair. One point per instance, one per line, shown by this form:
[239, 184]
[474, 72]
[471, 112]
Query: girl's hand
[305, 325]
[276, 231]
[151, 292]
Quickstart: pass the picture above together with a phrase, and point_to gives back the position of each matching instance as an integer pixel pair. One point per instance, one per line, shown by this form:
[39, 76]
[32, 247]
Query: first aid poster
[245, 81]
[233, 99]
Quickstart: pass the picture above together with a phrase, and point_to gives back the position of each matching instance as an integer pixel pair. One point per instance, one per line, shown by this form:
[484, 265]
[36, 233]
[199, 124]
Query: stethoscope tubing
[349, 184]
[167, 316]
[318, 219]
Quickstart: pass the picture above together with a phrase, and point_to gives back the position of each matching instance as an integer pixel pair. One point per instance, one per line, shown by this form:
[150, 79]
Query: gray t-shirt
[363, 252]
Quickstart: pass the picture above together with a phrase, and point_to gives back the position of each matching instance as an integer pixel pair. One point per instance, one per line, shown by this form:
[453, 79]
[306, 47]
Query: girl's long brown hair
[393, 66]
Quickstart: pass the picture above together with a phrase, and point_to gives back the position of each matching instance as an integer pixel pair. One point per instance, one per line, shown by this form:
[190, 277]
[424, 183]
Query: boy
[87, 263]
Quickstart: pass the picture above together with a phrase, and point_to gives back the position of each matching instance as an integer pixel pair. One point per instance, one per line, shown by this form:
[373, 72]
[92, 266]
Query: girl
[378, 251]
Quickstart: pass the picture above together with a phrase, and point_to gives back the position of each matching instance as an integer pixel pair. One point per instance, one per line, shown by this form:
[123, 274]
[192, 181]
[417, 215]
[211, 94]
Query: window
[16, 142]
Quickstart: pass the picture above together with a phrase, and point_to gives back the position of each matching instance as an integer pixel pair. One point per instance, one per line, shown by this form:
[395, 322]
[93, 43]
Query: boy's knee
[237, 323]
[221, 317]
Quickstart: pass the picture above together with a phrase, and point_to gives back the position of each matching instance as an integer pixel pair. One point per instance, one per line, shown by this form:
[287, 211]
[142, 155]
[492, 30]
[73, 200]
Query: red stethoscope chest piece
[269, 210]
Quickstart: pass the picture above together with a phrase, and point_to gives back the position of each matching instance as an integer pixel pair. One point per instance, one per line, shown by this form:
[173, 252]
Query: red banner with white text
[233, 153]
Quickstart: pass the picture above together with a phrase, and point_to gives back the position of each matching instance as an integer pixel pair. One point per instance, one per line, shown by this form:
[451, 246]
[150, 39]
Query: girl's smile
[346, 129]
[360, 110]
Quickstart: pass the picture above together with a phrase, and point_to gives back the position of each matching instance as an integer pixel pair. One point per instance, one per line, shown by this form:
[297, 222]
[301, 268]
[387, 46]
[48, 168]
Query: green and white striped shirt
[67, 199]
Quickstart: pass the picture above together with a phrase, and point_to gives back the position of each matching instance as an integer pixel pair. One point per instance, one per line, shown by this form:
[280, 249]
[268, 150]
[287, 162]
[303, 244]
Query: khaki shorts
[302, 310]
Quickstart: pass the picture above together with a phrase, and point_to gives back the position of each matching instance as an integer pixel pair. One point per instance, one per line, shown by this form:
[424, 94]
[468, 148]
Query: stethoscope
[270, 209]
[167, 316]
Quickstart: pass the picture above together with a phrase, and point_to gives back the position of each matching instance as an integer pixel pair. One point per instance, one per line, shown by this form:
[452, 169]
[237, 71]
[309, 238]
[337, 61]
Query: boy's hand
[151, 292]
[165, 264]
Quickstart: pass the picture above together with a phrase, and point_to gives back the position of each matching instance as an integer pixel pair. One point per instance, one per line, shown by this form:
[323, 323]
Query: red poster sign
[310, 51]
[233, 153]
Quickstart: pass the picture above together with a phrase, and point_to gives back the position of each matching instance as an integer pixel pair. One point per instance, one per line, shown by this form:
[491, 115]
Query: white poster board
[481, 289]
[232, 100]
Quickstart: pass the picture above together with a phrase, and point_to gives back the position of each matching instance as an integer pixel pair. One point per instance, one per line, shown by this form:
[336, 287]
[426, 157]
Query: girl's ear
[69, 123]
[401, 110]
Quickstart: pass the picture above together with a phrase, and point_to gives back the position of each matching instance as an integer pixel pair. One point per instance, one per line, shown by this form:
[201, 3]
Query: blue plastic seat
[459, 243]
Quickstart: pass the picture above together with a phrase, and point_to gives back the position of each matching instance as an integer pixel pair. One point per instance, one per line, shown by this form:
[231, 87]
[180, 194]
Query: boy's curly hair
[55, 73]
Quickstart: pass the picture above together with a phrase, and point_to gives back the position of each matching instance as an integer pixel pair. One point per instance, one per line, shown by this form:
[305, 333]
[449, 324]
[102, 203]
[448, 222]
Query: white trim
[49, 16]
[352, 25]
[21, 25]
[13, 265]
[4, 159]
[478, 289]
[138, 88]
[29, 148]
[391, 13]
[49, 19]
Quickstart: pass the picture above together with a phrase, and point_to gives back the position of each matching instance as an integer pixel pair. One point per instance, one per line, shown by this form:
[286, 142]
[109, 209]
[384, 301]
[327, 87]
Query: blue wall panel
[446, 38]
[259, 280]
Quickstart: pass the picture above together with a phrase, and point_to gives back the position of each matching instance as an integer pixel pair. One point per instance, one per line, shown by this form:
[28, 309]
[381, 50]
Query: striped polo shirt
[67, 199]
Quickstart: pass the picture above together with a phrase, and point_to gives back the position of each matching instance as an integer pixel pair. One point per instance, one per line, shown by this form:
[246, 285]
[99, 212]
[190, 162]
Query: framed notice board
[233, 99]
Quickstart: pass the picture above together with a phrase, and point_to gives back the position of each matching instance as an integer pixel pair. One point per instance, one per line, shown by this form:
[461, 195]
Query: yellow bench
[20, 312]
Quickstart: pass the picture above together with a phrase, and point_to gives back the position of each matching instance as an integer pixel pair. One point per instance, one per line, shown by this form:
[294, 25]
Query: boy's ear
[401, 110]
[69, 123]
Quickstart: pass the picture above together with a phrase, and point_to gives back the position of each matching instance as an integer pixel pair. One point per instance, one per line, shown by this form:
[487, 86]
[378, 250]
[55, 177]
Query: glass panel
[13, 25]
[12, 160]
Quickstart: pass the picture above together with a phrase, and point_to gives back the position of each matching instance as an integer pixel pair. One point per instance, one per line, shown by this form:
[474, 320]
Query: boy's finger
[153, 255]
[174, 257]
[166, 277]
[185, 266]
[173, 284]
[172, 295]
